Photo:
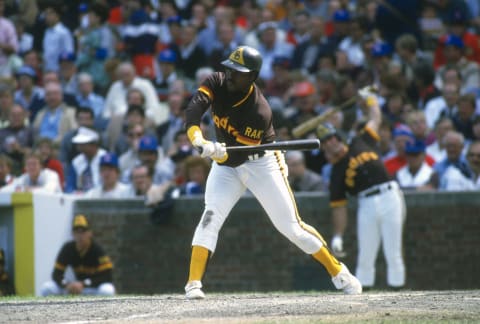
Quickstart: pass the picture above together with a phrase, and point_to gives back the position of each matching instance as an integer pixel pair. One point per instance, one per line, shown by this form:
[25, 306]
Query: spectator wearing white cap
[110, 187]
[84, 171]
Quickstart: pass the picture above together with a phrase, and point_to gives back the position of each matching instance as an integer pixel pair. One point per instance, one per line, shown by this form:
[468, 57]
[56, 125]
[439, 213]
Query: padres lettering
[249, 131]
[354, 163]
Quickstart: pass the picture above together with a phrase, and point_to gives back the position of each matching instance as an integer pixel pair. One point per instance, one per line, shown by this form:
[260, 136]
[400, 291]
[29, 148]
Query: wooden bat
[312, 123]
[303, 144]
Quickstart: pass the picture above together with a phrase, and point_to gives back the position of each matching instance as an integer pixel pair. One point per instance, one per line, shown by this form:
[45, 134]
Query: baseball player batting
[358, 170]
[242, 116]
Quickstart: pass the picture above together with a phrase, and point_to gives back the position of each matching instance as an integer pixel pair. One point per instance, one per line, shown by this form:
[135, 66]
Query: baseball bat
[312, 123]
[303, 144]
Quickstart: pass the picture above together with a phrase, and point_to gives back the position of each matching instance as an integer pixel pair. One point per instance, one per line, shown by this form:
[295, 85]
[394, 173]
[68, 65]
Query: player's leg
[267, 180]
[51, 288]
[368, 234]
[392, 231]
[223, 190]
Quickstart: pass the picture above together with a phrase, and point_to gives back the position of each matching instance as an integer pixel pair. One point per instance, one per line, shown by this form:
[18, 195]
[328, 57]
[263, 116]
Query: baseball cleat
[347, 282]
[193, 290]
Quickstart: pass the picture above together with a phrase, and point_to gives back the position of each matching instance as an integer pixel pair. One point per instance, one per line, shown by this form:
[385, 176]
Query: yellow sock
[198, 262]
[328, 260]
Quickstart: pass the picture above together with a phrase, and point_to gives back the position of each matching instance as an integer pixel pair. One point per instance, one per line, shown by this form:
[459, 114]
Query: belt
[377, 189]
[256, 155]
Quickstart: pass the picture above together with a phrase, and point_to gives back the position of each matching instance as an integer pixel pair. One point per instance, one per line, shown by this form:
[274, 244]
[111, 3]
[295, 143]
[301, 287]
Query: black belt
[376, 191]
[256, 155]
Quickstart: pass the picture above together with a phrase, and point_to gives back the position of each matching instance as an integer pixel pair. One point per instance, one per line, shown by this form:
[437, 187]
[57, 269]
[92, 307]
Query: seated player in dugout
[92, 267]
[6, 286]
[242, 116]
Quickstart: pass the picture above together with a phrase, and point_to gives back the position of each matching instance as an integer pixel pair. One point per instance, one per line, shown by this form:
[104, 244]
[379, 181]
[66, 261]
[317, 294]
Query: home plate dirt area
[296, 307]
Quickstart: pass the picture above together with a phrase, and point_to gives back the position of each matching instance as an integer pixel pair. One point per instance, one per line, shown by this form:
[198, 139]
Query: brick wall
[441, 245]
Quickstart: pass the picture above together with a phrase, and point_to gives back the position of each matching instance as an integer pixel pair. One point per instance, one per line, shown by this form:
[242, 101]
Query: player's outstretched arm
[373, 109]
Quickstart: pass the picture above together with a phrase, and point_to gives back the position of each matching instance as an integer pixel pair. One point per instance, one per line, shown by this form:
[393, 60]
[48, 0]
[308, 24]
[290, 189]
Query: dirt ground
[298, 307]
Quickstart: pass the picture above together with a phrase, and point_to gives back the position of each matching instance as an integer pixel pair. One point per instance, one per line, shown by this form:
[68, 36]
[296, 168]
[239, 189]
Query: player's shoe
[347, 282]
[193, 290]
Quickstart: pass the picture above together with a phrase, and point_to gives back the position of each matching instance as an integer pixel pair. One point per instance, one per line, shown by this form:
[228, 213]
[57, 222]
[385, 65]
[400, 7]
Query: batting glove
[337, 246]
[215, 151]
[368, 94]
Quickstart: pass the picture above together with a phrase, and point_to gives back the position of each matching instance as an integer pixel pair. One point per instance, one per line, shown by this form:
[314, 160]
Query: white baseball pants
[380, 219]
[266, 178]
[51, 288]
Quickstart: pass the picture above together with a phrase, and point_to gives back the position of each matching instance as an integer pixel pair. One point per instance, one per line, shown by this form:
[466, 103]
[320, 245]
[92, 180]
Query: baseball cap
[80, 222]
[85, 135]
[453, 40]
[67, 57]
[402, 130]
[303, 89]
[380, 49]
[167, 56]
[414, 147]
[341, 15]
[148, 143]
[26, 70]
[109, 159]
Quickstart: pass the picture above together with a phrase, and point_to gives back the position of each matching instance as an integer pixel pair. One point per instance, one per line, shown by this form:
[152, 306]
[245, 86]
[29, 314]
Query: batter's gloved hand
[368, 94]
[215, 151]
[337, 246]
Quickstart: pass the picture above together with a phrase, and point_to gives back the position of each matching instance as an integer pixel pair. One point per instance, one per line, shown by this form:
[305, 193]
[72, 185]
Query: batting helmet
[244, 59]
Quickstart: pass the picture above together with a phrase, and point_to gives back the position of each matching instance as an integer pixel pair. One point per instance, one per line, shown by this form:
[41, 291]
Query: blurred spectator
[196, 171]
[304, 102]
[417, 172]
[473, 158]
[68, 150]
[167, 61]
[300, 177]
[387, 149]
[281, 81]
[226, 44]
[352, 44]
[457, 24]
[381, 53]
[476, 127]
[341, 19]
[16, 139]
[151, 156]
[33, 59]
[409, 55]
[55, 119]
[464, 116]
[95, 46]
[393, 109]
[345, 90]
[300, 29]
[166, 131]
[326, 83]
[442, 106]
[6, 164]
[84, 170]
[8, 43]
[58, 39]
[116, 99]
[401, 135]
[431, 26]
[110, 187]
[306, 54]
[86, 97]
[318, 8]
[454, 52]
[6, 286]
[68, 73]
[28, 95]
[271, 46]
[92, 267]
[54, 77]
[422, 88]
[451, 170]
[140, 181]
[436, 149]
[6, 103]
[44, 147]
[36, 178]
[130, 157]
[192, 55]
[25, 39]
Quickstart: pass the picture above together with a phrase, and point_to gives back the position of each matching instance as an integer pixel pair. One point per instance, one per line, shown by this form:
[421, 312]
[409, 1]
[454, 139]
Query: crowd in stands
[92, 93]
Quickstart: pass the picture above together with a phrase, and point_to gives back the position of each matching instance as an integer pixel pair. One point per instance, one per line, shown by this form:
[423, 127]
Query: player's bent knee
[50, 288]
[106, 289]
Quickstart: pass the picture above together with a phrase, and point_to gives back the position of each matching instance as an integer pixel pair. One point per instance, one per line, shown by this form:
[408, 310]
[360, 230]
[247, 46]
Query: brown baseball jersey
[239, 118]
[359, 169]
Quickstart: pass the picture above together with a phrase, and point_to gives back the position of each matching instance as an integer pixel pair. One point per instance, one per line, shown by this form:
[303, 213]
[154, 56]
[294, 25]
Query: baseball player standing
[357, 170]
[242, 116]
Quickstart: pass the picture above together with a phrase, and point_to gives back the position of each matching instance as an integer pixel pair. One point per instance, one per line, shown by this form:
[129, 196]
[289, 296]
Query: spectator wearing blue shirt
[28, 95]
[86, 97]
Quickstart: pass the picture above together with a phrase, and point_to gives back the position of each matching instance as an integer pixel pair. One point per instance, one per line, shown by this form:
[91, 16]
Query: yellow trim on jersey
[60, 266]
[372, 133]
[338, 203]
[244, 98]
[193, 131]
[105, 266]
[206, 91]
[247, 140]
[304, 226]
